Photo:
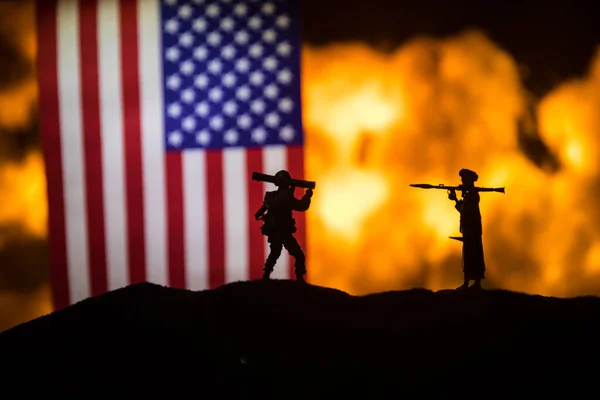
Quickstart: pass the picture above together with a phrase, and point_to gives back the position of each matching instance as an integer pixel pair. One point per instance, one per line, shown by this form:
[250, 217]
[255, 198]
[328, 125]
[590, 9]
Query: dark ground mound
[280, 339]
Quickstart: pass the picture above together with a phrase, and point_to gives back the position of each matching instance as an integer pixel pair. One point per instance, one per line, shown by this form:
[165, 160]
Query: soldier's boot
[300, 269]
[275, 252]
[293, 247]
[476, 285]
[267, 270]
[465, 285]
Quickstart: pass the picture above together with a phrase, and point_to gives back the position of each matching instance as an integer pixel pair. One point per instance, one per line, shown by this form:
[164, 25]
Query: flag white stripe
[235, 200]
[195, 212]
[274, 159]
[72, 150]
[111, 119]
[151, 103]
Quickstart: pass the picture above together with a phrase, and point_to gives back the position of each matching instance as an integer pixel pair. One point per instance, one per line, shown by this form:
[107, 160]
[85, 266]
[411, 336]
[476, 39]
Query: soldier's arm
[304, 203]
[458, 205]
[262, 209]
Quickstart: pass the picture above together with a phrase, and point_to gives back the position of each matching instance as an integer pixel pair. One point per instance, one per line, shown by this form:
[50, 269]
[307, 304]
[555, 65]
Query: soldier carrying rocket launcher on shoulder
[470, 224]
[279, 225]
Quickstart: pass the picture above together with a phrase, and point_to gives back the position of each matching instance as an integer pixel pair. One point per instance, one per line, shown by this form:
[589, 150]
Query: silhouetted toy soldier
[279, 225]
[471, 229]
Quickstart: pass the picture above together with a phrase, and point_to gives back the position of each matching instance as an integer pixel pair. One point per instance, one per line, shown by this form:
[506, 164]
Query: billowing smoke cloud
[24, 289]
[18, 86]
[569, 121]
[22, 184]
[378, 122]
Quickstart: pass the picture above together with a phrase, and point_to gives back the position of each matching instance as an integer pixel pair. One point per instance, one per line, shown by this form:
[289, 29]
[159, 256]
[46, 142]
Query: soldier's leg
[275, 247]
[479, 271]
[474, 262]
[465, 262]
[293, 247]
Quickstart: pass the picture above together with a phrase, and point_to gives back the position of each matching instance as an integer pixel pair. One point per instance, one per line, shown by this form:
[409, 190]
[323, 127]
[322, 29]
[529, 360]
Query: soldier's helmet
[283, 178]
[468, 175]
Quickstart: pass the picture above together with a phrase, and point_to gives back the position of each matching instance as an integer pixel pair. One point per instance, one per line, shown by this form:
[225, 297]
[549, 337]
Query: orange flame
[22, 184]
[17, 21]
[377, 122]
[19, 307]
[23, 193]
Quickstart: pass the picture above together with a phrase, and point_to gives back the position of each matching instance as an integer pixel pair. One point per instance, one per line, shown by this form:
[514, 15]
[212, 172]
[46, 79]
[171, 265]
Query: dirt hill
[281, 339]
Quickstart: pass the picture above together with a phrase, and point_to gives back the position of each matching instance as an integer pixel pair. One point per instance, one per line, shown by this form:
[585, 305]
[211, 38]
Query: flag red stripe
[92, 145]
[132, 141]
[295, 165]
[175, 220]
[256, 253]
[47, 66]
[216, 220]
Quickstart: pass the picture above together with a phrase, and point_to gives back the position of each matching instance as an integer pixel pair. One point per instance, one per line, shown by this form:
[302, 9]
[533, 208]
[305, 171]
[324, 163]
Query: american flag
[153, 116]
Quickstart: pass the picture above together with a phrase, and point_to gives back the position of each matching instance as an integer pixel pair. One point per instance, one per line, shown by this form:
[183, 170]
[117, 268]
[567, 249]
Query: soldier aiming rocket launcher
[453, 189]
[456, 188]
[257, 176]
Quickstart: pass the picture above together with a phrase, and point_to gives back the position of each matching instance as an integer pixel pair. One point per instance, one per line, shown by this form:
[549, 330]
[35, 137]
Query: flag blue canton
[231, 73]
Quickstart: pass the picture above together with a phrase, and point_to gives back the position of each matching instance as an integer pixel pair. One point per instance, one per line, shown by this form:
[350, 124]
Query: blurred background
[393, 93]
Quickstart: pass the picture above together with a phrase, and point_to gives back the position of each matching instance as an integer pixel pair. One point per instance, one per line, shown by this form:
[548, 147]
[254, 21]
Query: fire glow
[377, 122]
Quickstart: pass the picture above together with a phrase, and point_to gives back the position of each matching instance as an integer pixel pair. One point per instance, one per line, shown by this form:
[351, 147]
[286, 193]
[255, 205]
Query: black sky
[555, 40]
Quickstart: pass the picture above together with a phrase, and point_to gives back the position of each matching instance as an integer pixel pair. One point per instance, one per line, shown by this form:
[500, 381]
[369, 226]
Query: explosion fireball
[418, 116]
[377, 122]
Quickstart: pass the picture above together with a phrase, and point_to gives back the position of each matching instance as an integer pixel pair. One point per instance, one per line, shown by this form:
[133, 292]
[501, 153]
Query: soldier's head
[468, 177]
[283, 179]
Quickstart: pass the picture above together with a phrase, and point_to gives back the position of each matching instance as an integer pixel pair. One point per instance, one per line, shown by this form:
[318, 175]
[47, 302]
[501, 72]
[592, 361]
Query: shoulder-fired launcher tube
[257, 176]
[458, 188]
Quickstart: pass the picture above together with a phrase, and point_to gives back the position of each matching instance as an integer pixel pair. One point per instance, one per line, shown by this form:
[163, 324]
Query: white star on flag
[203, 138]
